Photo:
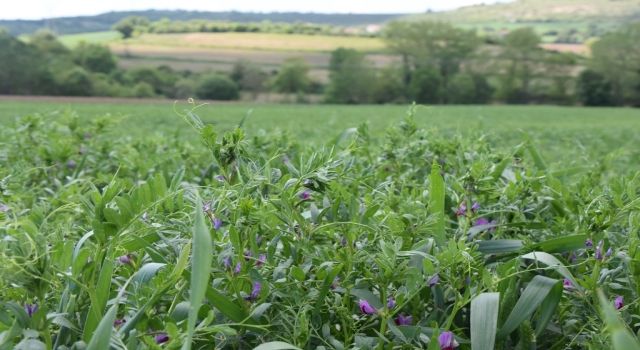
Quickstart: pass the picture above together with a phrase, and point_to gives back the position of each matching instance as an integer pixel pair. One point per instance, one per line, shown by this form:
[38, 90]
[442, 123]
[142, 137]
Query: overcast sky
[36, 9]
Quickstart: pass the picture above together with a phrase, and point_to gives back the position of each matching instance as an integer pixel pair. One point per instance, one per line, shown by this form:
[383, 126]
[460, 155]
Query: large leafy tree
[352, 78]
[617, 57]
[431, 45]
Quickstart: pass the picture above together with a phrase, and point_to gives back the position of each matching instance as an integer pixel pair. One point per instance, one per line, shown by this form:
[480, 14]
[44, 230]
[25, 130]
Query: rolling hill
[565, 21]
[104, 22]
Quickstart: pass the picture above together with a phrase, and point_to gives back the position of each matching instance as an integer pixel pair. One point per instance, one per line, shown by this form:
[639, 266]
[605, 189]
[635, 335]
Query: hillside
[564, 21]
[103, 22]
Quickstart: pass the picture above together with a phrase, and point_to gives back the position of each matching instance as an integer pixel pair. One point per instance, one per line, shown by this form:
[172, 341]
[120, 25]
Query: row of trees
[443, 64]
[438, 64]
[136, 25]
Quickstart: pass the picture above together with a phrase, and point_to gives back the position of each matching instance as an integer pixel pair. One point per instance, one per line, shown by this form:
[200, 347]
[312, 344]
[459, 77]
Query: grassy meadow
[146, 225]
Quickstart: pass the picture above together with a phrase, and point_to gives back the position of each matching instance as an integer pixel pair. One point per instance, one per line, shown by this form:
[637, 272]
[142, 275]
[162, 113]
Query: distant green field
[564, 133]
[72, 40]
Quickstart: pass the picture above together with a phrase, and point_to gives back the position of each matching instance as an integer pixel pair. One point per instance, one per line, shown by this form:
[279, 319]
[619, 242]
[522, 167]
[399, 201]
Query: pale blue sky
[36, 9]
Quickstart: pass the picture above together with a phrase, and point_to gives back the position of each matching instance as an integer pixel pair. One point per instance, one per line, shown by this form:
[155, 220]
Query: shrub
[217, 87]
[594, 89]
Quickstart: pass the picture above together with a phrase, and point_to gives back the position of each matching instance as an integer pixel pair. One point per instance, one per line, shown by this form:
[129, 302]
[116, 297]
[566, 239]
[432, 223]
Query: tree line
[136, 25]
[437, 64]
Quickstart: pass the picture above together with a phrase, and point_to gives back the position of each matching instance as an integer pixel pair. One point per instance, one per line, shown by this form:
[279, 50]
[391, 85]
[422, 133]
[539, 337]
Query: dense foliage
[138, 25]
[417, 239]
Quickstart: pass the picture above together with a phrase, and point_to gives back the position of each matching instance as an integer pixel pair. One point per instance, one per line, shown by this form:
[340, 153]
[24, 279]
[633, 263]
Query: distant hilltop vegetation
[103, 22]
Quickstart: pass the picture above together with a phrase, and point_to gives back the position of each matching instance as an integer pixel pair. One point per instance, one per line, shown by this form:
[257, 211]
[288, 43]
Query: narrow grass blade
[276, 345]
[553, 263]
[484, 321]
[621, 337]
[200, 269]
[533, 296]
[436, 203]
[102, 335]
[500, 246]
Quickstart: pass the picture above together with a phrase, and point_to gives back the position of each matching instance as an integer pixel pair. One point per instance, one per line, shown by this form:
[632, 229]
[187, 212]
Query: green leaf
[533, 296]
[553, 263]
[561, 244]
[484, 321]
[226, 306]
[102, 335]
[621, 337]
[99, 302]
[500, 246]
[436, 203]
[200, 270]
[276, 345]
[146, 272]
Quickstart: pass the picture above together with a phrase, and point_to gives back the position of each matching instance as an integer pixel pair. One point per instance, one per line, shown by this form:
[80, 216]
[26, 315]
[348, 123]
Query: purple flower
[335, 283]
[588, 243]
[161, 338]
[220, 178]
[618, 302]
[4, 208]
[462, 209]
[255, 292]
[262, 258]
[599, 250]
[217, 223]
[31, 309]
[125, 259]
[483, 221]
[391, 303]
[447, 341]
[71, 164]
[305, 195]
[567, 284]
[247, 255]
[433, 280]
[365, 307]
[119, 322]
[226, 262]
[608, 253]
[475, 207]
[237, 269]
[206, 207]
[403, 320]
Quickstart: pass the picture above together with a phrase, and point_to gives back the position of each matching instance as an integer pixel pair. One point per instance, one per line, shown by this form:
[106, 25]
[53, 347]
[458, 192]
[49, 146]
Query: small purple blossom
[599, 248]
[119, 322]
[217, 223]
[403, 320]
[255, 292]
[4, 208]
[206, 207]
[247, 255]
[484, 221]
[237, 269]
[391, 303]
[226, 262]
[588, 243]
[433, 281]
[31, 309]
[462, 209]
[71, 164]
[567, 284]
[335, 283]
[475, 207]
[608, 253]
[619, 302]
[125, 259]
[447, 341]
[305, 195]
[262, 258]
[161, 338]
[365, 307]
[220, 178]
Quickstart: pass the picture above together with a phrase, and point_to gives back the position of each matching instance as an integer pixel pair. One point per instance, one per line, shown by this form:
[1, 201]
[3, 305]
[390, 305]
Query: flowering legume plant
[409, 240]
